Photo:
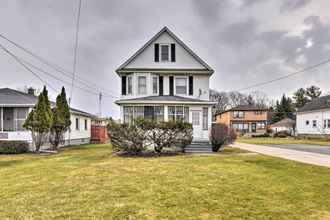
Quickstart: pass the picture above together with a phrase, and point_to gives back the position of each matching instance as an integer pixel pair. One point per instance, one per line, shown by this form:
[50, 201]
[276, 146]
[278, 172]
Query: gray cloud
[294, 4]
[245, 41]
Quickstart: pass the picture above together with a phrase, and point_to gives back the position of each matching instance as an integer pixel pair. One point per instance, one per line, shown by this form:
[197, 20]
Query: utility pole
[100, 104]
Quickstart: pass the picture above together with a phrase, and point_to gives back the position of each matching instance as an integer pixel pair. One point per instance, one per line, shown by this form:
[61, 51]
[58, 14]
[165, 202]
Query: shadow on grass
[8, 163]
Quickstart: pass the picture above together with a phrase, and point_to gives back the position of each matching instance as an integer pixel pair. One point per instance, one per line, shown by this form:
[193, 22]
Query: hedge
[13, 147]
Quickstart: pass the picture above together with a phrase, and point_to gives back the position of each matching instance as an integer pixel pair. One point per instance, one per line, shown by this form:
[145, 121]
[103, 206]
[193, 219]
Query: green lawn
[89, 183]
[270, 140]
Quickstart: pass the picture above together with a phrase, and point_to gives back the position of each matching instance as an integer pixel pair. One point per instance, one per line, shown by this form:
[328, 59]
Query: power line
[57, 68]
[27, 68]
[286, 76]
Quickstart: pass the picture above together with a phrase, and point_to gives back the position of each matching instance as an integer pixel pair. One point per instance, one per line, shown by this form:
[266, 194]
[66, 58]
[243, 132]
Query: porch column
[165, 112]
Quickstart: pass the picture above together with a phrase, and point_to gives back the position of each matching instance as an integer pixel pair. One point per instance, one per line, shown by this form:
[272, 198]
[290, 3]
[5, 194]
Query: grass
[88, 182]
[261, 141]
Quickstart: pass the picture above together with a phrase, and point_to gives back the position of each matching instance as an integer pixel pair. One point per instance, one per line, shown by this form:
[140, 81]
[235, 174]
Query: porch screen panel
[138, 112]
[159, 113]
[171, 113]
[205, 118]
[8, 119]
[20, 117]
[128, 114]
[149, 112]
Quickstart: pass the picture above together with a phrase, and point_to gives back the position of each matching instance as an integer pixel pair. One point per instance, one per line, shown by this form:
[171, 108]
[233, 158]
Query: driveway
[302, 153]
[303, 147]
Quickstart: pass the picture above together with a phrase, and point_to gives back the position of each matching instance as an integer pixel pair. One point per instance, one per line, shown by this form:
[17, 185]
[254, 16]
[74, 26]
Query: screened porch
[12, 118]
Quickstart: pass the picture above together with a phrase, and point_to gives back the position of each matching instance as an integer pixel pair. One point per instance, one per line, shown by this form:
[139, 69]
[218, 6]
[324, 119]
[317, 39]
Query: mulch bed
[148, 154]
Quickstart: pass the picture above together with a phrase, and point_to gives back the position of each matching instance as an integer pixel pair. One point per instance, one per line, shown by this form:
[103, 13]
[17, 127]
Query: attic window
[164, 52]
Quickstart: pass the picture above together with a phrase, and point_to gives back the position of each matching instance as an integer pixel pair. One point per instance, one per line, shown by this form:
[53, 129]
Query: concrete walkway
[300, 156]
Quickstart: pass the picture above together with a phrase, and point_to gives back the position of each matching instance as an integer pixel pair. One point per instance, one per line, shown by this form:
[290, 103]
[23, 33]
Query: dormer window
[164, 52]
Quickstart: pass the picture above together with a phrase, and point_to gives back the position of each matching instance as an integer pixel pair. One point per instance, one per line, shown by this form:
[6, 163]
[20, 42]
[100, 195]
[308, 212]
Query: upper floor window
[129, 85]
[164, 52]
[181, 86]
[142, 85]
[258, 112]
[154, 84]
[238, 114]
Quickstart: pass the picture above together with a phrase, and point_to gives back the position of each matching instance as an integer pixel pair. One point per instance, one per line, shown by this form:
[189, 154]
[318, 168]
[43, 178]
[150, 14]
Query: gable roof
[163, 99]
[316, 104]
[245, 108]
[285, 122]
[165, 29]
[12, 98]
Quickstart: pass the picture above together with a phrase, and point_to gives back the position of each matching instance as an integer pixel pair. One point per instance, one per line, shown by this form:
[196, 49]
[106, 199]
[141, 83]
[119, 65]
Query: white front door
[197, 124]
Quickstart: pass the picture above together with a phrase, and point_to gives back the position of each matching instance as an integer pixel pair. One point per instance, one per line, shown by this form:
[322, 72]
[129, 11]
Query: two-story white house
[313, 119]
[165, 80]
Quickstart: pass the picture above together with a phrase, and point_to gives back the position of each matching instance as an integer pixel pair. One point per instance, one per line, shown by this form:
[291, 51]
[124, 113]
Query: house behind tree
[165, 80]
[245, 119]
[15, 107]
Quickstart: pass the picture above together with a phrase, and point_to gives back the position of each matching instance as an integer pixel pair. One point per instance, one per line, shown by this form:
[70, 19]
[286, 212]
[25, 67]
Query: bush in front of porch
[137, 137]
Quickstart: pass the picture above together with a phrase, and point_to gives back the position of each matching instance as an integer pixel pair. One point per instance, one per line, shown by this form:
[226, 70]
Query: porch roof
[164, 99]
[13, 98]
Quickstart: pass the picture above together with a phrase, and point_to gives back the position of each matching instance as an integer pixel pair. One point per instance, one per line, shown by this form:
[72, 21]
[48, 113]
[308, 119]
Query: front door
[197, 125]
[253, 127]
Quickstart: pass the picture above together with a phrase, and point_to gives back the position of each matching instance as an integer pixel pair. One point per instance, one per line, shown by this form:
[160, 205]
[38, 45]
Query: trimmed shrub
[282, 134]
[137, 137]
[13, 147]
[126, 138]
[166, 134]
[220, 135]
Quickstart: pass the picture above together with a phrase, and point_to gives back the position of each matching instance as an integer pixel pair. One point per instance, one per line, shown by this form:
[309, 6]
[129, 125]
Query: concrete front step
[200, 147]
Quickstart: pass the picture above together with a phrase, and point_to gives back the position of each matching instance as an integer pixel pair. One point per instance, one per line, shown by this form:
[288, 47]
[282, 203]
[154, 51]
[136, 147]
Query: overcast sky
[245, 41]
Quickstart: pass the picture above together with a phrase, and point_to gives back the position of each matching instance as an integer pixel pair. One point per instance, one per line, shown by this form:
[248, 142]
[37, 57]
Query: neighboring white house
[286, 124]
[165, 80]
[14, 108]
[313, 119]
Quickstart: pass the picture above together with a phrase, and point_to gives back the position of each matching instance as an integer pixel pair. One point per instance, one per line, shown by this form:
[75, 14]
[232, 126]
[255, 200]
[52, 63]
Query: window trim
[238, 117]
[187, 86]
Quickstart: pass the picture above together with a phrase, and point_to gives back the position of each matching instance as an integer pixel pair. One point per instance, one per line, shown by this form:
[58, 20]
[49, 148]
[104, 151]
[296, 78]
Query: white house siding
[80, 136]
[200, 84]
[183, 58]
[319, 116]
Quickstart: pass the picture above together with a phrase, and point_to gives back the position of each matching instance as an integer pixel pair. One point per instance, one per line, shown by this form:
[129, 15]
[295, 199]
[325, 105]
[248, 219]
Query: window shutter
[191, 85]
[123, 85]
[156, 52]
[171, 85]
[161, 85]
[173, 52]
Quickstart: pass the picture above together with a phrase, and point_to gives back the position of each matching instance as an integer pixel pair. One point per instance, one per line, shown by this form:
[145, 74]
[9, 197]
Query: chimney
[31, 91]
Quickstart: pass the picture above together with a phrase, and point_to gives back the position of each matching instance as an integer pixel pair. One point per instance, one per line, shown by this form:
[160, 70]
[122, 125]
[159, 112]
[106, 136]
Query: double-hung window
[142, 85]
[164, 52]
[238, 114]
[181, 86]
[77, 124]
[314, 123]
[154, 85]
[129, 85]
